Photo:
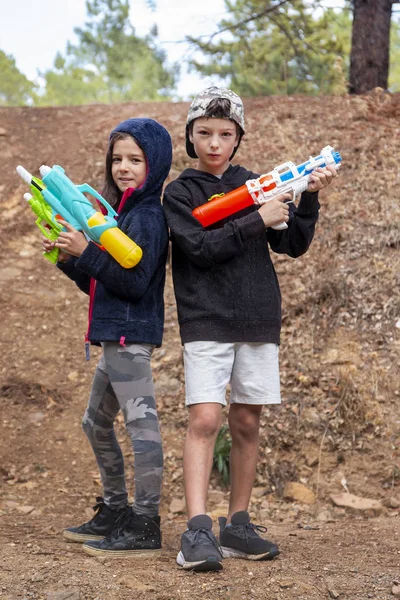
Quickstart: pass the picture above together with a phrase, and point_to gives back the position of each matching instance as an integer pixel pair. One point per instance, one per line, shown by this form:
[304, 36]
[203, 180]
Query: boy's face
[214, 141]
[128, 164]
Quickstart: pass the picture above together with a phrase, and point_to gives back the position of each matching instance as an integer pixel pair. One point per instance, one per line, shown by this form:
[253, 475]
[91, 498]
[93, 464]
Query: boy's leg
[244, 424]
[208, 367]
[199, 548]
[130, 374]
[204, 425]
[255, 382]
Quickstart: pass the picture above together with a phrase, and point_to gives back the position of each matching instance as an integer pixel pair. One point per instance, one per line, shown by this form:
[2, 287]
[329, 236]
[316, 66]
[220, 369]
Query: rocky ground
[328, 481]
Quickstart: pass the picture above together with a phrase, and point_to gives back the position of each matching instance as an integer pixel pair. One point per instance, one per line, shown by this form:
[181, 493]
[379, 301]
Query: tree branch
[264, 12]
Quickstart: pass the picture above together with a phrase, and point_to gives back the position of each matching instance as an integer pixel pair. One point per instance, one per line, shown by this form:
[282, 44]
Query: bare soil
[337, 430]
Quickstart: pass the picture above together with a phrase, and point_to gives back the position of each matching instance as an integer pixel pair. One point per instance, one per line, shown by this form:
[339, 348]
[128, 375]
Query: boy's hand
[320, 178]
[275, 211]
[71, 241]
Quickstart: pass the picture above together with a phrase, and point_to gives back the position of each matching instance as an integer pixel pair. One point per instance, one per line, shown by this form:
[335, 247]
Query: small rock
[71, 594]
[393, 502]
[25, 509]
[286, 584]
[324, 516]
[356, 502]
[178, 505]
[73, 375]
[3, 131]
[333, 594]
[396, 589]
[36, 417]
[259, 492]
[299, 492]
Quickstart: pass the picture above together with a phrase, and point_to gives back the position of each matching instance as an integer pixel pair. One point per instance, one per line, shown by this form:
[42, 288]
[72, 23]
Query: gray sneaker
[240, 539]
[200, 550]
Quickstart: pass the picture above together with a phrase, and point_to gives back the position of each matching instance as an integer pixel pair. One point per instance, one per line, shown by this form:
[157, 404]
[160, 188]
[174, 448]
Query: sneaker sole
[232, 553]
[120, 553]
[210, 564]
[81, 537]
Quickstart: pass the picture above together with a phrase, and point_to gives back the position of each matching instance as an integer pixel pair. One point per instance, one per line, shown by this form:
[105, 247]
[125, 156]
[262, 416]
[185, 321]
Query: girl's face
[214, 141]
[129, 166]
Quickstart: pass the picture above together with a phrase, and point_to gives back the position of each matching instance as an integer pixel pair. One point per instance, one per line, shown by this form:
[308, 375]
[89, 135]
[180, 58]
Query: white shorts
[252, 370]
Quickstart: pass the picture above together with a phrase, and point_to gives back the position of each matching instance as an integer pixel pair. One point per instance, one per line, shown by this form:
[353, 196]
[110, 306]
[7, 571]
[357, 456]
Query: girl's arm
[66, 264]
[70, 269]
[148, 229]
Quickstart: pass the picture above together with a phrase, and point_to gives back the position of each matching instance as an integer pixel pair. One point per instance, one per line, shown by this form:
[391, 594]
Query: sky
[33, 32]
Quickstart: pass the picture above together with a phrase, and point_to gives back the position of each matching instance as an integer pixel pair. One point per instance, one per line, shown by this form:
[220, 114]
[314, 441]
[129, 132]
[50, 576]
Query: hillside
[337, 429]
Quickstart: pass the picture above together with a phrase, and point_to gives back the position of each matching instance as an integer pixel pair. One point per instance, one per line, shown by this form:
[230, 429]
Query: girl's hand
[48, 245]
[320, 178]
[275, 211]
[71, 241]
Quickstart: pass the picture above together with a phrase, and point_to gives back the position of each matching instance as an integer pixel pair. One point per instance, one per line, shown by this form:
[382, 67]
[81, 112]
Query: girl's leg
[131, 378]
[98, 424]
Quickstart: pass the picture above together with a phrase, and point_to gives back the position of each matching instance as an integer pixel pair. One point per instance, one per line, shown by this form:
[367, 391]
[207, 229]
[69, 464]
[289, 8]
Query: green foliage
[394, 73]
[15, 88]
[222, 452]
[279, 48]
[109, 63]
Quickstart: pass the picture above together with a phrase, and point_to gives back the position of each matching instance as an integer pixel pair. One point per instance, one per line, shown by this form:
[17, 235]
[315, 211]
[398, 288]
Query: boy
[229, 311]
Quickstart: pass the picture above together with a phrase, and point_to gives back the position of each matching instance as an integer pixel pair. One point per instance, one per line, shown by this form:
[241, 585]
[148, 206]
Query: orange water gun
[284, 178]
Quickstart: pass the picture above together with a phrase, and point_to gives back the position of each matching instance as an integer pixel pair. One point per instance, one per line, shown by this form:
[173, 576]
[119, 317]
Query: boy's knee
[244, 423]
[204, 424]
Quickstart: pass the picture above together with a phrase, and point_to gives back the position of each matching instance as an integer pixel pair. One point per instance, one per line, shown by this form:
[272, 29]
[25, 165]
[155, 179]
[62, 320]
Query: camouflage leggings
[123, 380]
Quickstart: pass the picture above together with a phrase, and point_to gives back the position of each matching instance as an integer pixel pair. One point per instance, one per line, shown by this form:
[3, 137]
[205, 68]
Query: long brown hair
[110, 191]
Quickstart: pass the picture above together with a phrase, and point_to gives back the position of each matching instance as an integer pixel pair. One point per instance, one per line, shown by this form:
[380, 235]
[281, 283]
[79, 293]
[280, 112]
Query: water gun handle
[297, 187]
[46, 225]
[85, 187]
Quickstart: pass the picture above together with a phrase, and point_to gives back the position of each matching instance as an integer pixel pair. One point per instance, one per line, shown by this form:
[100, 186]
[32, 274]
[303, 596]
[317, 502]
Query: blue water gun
[68, 202]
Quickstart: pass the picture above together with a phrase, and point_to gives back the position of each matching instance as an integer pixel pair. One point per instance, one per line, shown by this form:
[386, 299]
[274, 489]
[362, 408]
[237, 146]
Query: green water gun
[47, 225]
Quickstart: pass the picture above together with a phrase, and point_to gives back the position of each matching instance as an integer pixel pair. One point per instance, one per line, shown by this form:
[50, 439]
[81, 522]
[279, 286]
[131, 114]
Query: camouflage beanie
[199, 107]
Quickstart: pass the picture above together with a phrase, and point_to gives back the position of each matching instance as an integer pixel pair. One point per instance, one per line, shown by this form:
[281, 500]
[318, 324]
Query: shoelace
[198, 537]
[121, 522]
[98, 507]
[254, 529]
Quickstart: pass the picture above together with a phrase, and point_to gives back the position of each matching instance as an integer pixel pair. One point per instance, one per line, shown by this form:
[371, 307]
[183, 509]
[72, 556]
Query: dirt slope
[336, 431]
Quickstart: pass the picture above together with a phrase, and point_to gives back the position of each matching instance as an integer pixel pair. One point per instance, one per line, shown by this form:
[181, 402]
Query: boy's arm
[207, 247]
[296, 239]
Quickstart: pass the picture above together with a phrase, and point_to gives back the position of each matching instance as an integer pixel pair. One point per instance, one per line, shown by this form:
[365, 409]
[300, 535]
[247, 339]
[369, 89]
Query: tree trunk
[369, 59]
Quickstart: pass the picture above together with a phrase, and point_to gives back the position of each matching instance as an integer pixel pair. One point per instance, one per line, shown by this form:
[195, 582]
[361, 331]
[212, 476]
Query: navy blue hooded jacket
[127, 304]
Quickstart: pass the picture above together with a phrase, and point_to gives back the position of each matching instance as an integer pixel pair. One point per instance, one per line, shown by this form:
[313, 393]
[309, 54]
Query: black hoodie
[225, 284]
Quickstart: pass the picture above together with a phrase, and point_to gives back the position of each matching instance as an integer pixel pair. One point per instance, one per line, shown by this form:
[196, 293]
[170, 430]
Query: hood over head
[156, 144]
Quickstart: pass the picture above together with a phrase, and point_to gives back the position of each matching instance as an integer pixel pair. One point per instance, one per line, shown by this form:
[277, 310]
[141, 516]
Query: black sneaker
[133, 535]
[200, 550]
[97, 528]
[240, 539]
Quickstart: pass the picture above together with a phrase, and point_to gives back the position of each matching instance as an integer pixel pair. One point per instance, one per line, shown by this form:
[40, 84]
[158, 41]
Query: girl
[126, 317]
